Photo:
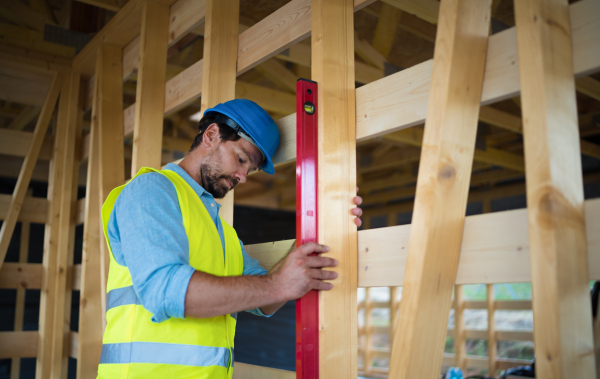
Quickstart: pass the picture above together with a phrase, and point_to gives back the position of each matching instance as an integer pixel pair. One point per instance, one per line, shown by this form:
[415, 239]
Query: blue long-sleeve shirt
[147, 235]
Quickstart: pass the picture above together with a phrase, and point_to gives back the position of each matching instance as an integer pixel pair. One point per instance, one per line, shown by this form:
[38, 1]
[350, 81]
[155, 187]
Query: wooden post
[393, 313]
[459, 328]
[442, 188]
[563, 337]
[8, 225]
[492, 343]
[150, 93]
[109, 117]
[15, 366]
[367, 352]
[67, 121]
[48, 291]
[93, 294]
[219, 66]
[333, 68]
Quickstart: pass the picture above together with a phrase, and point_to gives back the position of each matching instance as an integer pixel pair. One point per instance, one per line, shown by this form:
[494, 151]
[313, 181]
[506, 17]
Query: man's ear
[211, 135]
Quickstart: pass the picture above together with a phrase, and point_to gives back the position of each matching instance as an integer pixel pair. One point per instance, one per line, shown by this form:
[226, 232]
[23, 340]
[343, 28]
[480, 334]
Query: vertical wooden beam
[67, 120]
[367, 352]
[15, 366]
[109, 118]
[492, 343]
[219, 66]
[150, 94]
[91, 311]
[558, 250]
[385, 31]
[333, 68]
[442, 188]
[393, 312]
[8, 225]
[459, 328]
[48, 291]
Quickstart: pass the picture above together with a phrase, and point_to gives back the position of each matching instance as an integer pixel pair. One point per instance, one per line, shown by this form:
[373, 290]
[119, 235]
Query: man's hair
[226, 132]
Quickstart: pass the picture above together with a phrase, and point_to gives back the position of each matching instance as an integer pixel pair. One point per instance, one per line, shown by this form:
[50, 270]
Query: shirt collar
[200, 191]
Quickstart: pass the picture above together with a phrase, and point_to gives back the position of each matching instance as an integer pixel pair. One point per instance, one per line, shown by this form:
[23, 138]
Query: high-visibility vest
[135, 347]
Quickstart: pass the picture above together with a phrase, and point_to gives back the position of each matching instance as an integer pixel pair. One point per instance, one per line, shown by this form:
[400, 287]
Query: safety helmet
[249, 119]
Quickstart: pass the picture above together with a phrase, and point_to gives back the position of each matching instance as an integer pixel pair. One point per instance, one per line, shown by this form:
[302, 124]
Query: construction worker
[178, 273]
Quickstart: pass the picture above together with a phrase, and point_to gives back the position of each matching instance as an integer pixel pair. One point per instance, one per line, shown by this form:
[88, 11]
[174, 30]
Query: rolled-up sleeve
[252, 267]
[153, 244]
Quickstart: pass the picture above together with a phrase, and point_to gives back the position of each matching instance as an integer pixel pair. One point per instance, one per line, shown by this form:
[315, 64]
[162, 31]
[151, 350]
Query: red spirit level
[307, 308]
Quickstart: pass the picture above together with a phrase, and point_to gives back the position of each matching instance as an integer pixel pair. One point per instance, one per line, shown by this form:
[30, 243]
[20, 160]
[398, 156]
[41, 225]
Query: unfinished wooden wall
[395, 106]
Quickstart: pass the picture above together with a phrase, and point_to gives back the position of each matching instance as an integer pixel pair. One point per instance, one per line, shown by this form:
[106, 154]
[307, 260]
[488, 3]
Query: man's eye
[240, 159]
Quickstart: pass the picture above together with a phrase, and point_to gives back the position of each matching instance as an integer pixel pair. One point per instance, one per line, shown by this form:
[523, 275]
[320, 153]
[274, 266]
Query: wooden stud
[559, 261]
[109, 103]
[219, 66]
[333, 68]
[150, 98]
[367, 351]
[386, 29]
[443, 183]
[92, 302]
[27, 114]
[492, 343]
[8, 226]
[15, 366]
[459, 328]
[68, 122]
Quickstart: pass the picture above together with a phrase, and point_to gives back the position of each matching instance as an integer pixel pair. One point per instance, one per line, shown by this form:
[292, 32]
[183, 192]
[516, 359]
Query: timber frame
[499, 247]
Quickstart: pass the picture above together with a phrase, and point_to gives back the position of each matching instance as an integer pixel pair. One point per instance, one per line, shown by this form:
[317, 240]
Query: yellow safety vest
[135, 347]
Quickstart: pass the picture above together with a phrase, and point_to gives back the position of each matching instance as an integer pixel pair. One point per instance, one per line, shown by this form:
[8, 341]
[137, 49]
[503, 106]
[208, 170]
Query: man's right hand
[300, 272]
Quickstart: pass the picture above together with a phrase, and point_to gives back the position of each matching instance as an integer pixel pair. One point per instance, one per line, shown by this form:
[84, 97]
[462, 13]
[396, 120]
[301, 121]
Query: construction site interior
[92, 90]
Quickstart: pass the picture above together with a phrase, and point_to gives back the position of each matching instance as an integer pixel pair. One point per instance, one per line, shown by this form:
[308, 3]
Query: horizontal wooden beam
[247, 371]
[16, 143]
[33, 210]
[18, 344]
[400, 100]
[495, 249]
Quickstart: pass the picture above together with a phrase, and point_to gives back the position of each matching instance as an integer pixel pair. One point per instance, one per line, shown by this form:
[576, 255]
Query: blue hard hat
[257, 123]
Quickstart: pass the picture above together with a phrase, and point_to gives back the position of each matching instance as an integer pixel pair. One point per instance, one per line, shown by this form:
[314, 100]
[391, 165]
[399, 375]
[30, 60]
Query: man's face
[228, 164]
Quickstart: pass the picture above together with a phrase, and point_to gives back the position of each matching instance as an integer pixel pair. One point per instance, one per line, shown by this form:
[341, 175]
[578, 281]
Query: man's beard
[213, 182]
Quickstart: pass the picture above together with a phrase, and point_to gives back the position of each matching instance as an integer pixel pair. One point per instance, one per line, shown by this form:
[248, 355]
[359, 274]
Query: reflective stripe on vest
[136, 347]
[165, 353]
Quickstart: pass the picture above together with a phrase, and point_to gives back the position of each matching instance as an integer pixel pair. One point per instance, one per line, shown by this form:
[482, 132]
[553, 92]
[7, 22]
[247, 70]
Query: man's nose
[241, 177]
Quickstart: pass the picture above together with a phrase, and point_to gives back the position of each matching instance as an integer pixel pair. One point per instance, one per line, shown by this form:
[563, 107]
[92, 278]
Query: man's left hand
[357, 211]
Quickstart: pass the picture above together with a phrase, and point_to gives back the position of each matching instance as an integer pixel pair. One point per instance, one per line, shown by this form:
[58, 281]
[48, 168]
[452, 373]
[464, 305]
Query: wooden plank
[18, 344]
[400, 101]
[25, 14]
[33, 209]
[589, 87]
[20, 190]
[32, 39]
[120, 30]
[15, 366]
[16, 143]
[495, 249]
[385, 31]
[20, 275]
[109, 104]
[247, 371]
[366, 350]
[460, 347]
[443, 183]
[424, 9]
[185, 15]
[150, 97]
[333, 68]
[23, 91]
[68, 121]
[92, 303]
[25, 117]
[563, 339]
[492, 343]
[219, 67]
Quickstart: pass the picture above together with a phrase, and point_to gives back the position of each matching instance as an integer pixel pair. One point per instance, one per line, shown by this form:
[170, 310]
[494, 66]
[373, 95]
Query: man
[178, 273]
